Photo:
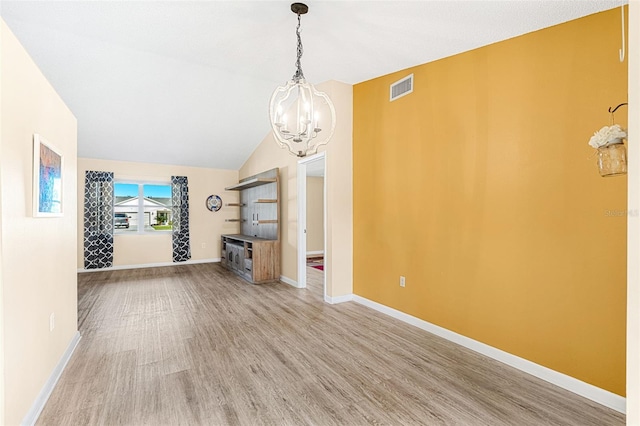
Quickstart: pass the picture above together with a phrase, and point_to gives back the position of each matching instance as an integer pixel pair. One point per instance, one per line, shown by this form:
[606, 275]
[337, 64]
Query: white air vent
[401, 88]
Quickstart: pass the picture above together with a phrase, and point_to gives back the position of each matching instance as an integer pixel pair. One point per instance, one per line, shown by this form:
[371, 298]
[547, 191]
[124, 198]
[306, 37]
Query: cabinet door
[235, 262]
[230, 255]
[239, 260]
[223, 252]
[233, 257]
[248, 269]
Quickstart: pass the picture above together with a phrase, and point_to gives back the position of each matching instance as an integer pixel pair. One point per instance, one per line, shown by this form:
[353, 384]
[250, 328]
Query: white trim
[50, 384]
[302, 219]
[313, 253]
[302, 223]
[596, 394]
[338, 299]
[325, 227]
[151, 265]
[633, 220]
[289, 281]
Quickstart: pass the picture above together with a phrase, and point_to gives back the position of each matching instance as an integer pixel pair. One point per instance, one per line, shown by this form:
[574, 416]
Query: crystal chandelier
[302, 118]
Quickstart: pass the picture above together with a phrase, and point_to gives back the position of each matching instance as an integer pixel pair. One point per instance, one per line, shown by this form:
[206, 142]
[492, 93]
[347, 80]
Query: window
[142, 207]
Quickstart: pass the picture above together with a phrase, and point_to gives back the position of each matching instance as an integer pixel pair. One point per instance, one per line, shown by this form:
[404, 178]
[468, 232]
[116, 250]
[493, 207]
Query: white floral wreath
[608, 135]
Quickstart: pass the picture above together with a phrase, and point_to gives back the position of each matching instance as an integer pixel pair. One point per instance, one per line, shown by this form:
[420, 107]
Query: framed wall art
[47, 179]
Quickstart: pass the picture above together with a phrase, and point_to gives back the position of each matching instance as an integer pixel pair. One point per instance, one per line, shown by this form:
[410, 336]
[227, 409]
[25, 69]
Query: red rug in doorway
[320, 267]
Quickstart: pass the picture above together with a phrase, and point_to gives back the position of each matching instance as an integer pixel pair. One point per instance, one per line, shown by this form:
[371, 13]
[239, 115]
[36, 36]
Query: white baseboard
[42, 398]
[338, 299]
[289, 281]
[151, 265]
[315, 253]
[596, 394]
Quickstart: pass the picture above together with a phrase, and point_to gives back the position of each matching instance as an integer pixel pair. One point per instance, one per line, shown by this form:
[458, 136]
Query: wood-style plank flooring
[194, 344]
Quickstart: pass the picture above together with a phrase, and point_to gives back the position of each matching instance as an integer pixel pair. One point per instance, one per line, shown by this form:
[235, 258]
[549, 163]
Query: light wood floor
[195, 345]
[315, 281]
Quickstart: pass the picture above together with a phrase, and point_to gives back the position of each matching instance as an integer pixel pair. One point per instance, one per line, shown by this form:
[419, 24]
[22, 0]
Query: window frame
[140, 207]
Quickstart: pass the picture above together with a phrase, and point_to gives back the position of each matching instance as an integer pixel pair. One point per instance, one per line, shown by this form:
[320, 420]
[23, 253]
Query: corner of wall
[2, 399]
[339, 250]
[339, 176]
[633, 227]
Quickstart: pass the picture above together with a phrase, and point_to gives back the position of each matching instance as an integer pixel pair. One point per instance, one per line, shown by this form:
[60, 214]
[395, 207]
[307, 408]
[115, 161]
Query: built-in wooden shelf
[254, 253]
[250, 183]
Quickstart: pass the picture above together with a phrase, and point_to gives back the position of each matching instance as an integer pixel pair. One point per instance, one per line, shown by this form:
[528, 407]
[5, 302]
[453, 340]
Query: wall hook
[616, 108]
[611, 111]
[623, 50]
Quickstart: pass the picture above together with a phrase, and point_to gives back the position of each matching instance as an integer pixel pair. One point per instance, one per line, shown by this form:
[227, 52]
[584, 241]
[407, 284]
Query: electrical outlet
[52, 321]
[401, 281]
[204, 245]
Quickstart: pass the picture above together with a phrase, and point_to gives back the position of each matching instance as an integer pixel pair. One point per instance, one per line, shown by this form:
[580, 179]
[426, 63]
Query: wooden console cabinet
[255, 259]
[254, 253]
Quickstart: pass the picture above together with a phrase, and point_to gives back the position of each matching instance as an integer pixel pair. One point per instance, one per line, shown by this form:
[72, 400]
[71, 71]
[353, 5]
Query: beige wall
[38, 254]
[1, 262]
[339, 176]
[338, 253]
[315, 216]
[633, 230]
[205, 226]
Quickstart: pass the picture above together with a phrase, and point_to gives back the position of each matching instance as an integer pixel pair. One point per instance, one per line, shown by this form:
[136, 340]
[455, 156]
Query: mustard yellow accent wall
[480, 188]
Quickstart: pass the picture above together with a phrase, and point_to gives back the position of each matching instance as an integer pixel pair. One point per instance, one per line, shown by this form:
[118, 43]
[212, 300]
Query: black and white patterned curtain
[180, 213]
[98, 220]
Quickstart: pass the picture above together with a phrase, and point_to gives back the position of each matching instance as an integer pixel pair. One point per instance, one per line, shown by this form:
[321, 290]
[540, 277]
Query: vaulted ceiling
[188, 82]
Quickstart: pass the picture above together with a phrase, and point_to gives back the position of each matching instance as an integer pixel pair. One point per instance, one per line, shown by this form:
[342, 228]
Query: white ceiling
[188, 82]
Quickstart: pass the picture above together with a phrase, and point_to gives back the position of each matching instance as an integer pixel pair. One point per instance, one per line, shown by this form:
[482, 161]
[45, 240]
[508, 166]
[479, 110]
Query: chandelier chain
[299, 74]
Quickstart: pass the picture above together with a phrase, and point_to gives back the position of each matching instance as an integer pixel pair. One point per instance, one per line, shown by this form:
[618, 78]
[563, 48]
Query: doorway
[312, 212]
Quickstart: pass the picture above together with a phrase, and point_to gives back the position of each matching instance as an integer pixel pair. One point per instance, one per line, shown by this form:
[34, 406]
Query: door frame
[302, 219]
[633, 221]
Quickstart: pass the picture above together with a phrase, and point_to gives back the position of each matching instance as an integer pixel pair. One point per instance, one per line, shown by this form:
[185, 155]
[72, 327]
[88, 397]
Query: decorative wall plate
[214, 203]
